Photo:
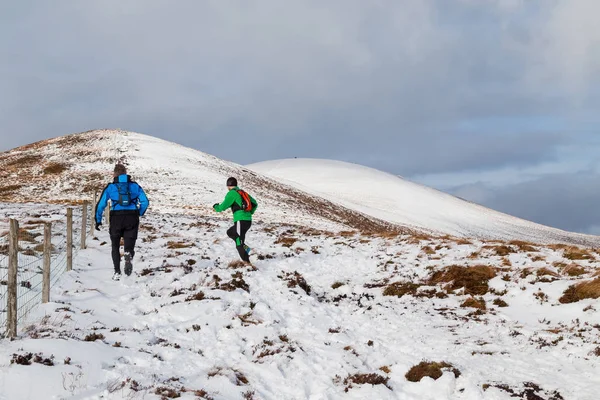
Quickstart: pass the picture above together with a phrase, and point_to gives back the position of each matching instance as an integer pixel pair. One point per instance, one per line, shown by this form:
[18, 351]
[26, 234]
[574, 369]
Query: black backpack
[124, 194]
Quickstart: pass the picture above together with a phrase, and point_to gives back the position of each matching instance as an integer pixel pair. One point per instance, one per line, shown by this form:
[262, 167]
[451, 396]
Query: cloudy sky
[493, 100]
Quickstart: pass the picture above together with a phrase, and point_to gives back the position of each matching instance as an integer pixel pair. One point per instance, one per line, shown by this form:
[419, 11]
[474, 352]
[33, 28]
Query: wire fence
[31, 261]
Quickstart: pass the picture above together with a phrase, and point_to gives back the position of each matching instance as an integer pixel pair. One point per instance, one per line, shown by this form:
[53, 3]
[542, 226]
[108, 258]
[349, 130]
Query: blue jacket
[139, 201]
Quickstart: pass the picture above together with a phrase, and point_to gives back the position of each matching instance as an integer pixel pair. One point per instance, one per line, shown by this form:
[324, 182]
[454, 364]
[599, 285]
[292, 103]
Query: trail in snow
[275, 341]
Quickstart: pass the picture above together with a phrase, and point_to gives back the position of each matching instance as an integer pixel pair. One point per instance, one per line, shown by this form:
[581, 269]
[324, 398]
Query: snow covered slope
[319, 317]
[176, 179]
[397, 200]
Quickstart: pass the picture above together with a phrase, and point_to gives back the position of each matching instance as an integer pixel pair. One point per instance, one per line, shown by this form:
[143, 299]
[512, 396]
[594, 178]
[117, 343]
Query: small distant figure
[128, 203]
[243, 207]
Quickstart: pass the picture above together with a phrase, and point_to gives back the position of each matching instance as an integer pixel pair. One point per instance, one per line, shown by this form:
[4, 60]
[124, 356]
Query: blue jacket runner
[139, 201]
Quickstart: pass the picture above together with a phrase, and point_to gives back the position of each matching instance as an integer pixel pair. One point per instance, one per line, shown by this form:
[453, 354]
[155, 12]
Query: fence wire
[30, 263]
[3, 281]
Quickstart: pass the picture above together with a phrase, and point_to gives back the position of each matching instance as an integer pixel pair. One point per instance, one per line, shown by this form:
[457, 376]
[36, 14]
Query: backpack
[124, 194]
[246, 202]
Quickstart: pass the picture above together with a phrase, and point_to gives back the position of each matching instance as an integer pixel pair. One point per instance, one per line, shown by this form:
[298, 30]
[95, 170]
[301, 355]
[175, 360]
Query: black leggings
[123, 226]
[238, 234]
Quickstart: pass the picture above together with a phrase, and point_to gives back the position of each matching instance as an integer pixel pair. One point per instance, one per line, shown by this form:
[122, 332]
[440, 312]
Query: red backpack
[246, 202]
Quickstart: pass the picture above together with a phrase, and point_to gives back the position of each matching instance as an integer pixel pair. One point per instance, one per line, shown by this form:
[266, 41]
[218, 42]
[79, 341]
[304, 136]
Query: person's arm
[227, 202]
[254, 204]
[101, 205]
[144, 202]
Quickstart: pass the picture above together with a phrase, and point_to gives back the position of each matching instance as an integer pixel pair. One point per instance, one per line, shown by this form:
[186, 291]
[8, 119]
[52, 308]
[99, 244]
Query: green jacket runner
[234, 198]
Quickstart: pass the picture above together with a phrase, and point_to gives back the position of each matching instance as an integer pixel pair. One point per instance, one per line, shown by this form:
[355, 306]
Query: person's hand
[215, 206]
[98, 225]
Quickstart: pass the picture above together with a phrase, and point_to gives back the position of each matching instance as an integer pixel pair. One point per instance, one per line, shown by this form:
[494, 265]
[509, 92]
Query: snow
[400, 201]
[289, 344]
[275, 340]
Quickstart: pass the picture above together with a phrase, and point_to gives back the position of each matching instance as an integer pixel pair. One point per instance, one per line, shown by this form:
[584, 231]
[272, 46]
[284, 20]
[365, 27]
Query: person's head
[120, 170]
[231, 183]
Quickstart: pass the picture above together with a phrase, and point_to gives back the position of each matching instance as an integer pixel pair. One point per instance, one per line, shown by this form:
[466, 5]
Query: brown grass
[400, 289]
[501, 250]
[433, 370]
[574, 270]
[576, 253]
[8, 189]
[580, 291]
[474, 303]
[296, 280]
[473, 279]
[545, 271]
[428, 250]
[366, 379]
[178, 245]
[54, 168]
[286, 241]
[500, 303]
[523, 246]
[237, 264]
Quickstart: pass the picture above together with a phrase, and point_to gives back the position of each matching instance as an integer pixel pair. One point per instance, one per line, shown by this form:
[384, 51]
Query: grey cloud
[385, 84]
[566, 201]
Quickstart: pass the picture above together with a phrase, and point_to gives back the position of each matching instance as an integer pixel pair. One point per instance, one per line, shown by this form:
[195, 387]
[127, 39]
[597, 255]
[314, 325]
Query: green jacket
[234, 198]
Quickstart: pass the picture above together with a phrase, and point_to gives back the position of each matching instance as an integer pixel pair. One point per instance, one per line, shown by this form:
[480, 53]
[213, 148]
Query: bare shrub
[92, 337]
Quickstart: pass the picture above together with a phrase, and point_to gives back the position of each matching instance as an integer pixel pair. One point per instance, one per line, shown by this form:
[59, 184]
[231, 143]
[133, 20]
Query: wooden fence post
[107, 212]
[13, 263]
[92, 216]
[84, 223]
[47, 258]
[69, 239]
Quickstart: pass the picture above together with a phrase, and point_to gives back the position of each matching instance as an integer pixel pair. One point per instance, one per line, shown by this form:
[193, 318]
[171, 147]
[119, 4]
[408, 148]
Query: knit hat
[231, 182]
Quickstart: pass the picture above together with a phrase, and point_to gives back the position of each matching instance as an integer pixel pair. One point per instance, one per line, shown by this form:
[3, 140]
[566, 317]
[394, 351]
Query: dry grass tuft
[575, 253]
[474, 303]
[574, 270]
[178, 245]
[501, 250]
[580, 291]
[294, 279]
[500, 303]
[238, 264]
[473, 279]
[55, 168]
[523, 246]
[428, 250]
[286, 241]
[366, 379]
[433, 370]
[336, 285]
[400, 289]
[545, 271]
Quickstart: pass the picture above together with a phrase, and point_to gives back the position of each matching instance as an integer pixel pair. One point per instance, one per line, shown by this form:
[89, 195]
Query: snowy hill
[322, 313]
[391, 198]
[319, 316]
[176, 179]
